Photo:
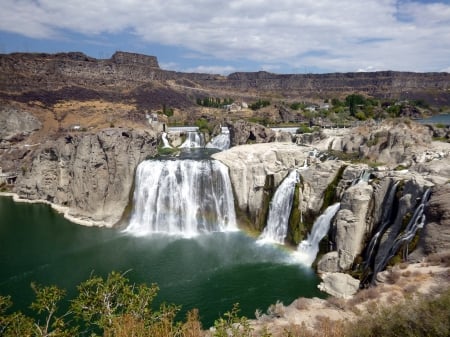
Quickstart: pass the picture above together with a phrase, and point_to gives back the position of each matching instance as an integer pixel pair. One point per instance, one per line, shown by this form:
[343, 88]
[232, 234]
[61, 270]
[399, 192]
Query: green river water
[210, 272]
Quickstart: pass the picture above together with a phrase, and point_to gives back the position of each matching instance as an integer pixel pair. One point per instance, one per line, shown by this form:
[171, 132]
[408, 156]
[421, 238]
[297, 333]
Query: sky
[221, 37]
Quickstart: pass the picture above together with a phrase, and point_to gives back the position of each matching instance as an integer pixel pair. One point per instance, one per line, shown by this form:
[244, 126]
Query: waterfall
[279, 210]
[307, 249]
[363, 177]
[385, 221]
[184, 197]
[416, 222]
[221, 141]
[194, 139]
[165, 141]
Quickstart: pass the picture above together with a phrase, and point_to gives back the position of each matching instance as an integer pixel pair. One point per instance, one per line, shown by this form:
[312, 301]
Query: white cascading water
[363, 177]
[279, 210]
[194, 140]
[184, 197]
[165, 141]
[385, 221]
[307, 249]
[415, 223]
[222, 141]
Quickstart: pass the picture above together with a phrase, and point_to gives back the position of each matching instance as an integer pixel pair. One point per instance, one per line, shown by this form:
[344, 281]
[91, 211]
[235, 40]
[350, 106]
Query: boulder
[339, 285]
[90, 173]
[329, 263]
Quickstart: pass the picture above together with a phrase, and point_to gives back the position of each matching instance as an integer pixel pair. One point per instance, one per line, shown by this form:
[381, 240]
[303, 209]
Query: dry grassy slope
[404, 281]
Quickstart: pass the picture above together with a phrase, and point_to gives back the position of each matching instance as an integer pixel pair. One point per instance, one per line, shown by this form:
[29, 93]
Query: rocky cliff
[251, 167]
[380, 217]
[89, 173]
[15, 125]
[27, 77]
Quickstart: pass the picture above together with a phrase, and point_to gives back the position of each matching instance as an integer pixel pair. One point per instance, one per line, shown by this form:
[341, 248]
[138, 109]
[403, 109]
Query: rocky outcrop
[391, 143]
[379, 210]
[435, 237]
[254, 169]
[121, 57]
[91, 174]
[314, 182]
[339, 285]
[309, 138]
[352, 223]
[249, 165]
[409, 193]
[243, 132]
[440, 131]
[16, 124]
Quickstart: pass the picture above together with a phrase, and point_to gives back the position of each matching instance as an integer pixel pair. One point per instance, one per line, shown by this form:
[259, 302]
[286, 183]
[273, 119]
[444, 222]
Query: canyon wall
[91, 174]
[22, 73]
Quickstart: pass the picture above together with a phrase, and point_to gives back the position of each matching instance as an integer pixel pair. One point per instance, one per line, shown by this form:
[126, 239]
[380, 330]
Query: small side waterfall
[222, 141]
[184, 197]
[416, 222]
[165, 141]
[385, 221]
[307, 249]
[363, 177]
[193, 140]
[279, 210]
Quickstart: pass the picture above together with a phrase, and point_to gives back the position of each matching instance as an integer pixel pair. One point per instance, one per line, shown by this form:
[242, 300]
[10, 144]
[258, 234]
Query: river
[210, 272]
[437, 119]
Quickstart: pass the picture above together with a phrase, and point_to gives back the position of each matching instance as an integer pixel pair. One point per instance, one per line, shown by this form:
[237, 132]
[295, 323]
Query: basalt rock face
[22, 73]
[242, 132]
[55, 71]
[384, 205]
[352, 223]
[391, 143]
[391, 84]
[250, 165]
[91, 174]
[16, 124]
[436, 233]
[121, 57]
[52, 78]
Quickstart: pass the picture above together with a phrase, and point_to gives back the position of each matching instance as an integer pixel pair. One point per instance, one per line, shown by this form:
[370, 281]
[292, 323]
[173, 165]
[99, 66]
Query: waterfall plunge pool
[210, 272]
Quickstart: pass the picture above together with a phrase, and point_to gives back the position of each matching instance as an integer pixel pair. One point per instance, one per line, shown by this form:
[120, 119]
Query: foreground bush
[114, 307]
[417, 317]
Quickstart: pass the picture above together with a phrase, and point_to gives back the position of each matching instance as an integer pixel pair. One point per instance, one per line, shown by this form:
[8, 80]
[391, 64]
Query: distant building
[233, 107]
[311, 108]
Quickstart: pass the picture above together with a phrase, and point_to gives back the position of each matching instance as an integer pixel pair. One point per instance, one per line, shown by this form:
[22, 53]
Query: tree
[48, 321]
[352, 101]
[100, 301]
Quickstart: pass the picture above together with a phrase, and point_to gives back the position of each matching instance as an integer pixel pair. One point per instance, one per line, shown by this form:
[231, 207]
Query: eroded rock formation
[16, 124]
[243, 132]
[90, 173]
[249, 165]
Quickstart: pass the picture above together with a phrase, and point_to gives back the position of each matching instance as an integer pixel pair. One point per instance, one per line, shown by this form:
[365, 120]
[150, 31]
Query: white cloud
[335, 35]
[222, 70]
